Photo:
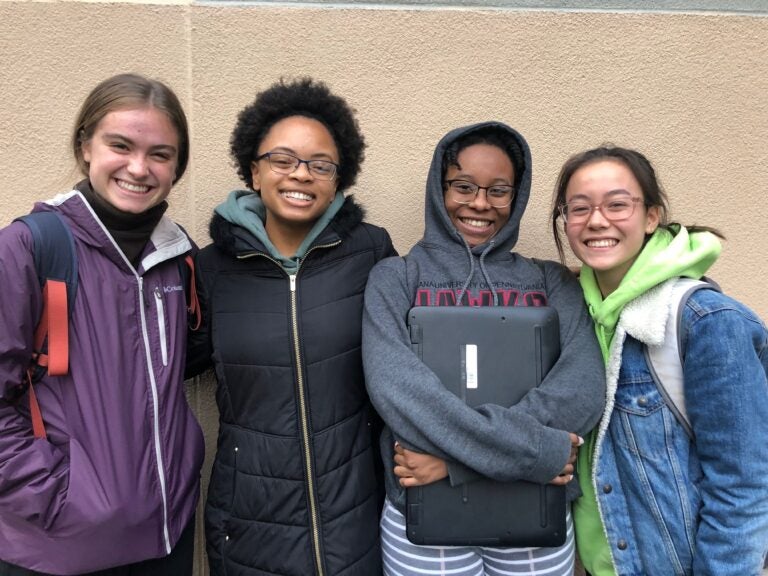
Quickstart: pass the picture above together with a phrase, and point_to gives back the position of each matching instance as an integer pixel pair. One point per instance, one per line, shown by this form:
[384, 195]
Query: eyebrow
[117, 136]
[471, 178]
[616, 192]
[315, 156]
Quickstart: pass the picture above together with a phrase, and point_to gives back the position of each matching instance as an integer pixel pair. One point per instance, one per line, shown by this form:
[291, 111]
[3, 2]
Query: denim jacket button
[607, 489]
[621, 544]
[642, 401]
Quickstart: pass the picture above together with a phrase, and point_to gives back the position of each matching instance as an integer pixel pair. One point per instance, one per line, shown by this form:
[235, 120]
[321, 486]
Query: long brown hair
[642, 170]
[125, 91]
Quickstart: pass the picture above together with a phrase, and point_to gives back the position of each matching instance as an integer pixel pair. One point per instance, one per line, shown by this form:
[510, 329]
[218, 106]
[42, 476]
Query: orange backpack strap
[38, 426]
[193, 302]
[56, 267]
[57, 316]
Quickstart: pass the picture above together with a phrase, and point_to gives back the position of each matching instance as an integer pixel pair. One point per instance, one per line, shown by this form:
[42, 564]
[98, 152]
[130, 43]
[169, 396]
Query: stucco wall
[688, 89]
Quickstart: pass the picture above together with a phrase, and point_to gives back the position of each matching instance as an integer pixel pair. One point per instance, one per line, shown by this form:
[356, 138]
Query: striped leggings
[402, 558]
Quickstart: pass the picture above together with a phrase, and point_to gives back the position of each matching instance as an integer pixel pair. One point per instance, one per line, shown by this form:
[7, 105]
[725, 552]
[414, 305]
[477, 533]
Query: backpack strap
[190, 287]
[666, 361]
[56, 267]
[189, 282]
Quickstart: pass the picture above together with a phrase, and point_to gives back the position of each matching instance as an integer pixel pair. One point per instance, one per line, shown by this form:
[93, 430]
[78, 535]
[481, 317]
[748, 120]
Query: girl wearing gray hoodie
[476, 194]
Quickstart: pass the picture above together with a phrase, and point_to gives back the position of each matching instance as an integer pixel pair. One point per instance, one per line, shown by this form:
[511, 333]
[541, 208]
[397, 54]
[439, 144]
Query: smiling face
[484, 165]
[608, 247]
[294, 201]
[132, 158]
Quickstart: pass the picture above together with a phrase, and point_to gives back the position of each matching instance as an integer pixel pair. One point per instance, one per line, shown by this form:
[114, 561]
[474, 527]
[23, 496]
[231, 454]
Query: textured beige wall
[689, 90]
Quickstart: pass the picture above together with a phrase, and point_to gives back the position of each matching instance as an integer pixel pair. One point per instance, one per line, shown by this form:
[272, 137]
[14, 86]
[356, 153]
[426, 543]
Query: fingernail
[581, 441]
[570, 477]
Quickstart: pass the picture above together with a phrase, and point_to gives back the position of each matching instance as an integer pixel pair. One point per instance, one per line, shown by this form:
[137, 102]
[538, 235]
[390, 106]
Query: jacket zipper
[305, 432]
[161, 325]
[303, 409]
[155, 414]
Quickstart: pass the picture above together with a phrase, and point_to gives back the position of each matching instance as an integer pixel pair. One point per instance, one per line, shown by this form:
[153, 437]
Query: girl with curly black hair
[295, 488]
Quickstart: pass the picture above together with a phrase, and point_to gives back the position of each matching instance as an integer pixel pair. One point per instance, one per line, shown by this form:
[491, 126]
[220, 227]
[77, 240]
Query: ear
[255, 176]
[85, 149]
[651, 219]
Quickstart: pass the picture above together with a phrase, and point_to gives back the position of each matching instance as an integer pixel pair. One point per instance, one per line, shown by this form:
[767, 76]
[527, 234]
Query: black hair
[641, 168]
[492, 136]
[301, 97]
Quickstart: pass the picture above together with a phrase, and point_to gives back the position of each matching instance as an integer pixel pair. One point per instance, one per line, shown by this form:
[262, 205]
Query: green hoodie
[669, 253]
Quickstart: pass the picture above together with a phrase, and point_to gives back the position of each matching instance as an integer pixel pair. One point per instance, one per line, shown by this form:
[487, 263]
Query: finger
[402, 472]
[576, 440]
[567, 469]
[409, 482]
[561, 480]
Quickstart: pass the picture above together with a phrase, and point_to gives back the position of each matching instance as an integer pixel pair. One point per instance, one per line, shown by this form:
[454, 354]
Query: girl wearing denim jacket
[656, 500]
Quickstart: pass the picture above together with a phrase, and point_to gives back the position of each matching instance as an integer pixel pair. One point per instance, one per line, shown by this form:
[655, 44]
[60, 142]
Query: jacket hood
[167, 240]
[244, 232]
[438, 228]
[669, 253]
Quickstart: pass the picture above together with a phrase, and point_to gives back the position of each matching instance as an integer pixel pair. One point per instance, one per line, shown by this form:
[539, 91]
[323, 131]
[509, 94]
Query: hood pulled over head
[439, 229]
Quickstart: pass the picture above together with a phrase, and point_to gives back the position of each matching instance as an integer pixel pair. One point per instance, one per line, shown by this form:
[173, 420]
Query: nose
[480, 201]
[137, 166]
[302, 171]
[597, 219]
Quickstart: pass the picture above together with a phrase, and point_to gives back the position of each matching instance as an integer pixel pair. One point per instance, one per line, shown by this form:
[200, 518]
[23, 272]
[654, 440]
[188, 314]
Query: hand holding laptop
[416, 468]
[566, 475]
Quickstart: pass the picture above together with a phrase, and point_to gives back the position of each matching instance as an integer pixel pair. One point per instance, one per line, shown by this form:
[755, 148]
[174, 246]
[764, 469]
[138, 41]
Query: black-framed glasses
[464, 192]
[613, 209]
[284, 163]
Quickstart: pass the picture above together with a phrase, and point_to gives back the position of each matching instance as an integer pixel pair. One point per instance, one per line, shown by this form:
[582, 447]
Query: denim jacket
[676, 505]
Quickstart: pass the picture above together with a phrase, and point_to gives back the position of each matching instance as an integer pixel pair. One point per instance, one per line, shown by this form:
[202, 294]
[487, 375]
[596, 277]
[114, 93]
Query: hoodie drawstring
[486, 277]
[460, 295]
[485, 273]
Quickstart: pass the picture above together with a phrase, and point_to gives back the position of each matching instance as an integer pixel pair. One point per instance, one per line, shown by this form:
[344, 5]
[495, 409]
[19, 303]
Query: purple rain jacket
[117, 479]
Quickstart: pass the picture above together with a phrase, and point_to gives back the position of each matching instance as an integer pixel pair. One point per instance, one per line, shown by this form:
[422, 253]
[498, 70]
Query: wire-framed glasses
[284, 163]
[614, 209]
[464, 192]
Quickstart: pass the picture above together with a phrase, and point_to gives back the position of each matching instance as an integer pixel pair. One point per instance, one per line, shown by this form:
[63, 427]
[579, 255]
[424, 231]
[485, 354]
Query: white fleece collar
[644, 319]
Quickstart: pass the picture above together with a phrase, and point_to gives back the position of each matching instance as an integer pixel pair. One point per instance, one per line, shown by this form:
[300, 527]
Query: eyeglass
[284, 163]
[497, 195]
[612, 209]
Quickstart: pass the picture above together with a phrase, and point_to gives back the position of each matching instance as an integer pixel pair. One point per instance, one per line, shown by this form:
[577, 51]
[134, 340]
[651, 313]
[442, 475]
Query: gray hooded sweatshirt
[528, 441]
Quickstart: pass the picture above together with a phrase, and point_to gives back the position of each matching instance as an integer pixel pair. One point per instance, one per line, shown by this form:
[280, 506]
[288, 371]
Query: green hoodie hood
[669, 253]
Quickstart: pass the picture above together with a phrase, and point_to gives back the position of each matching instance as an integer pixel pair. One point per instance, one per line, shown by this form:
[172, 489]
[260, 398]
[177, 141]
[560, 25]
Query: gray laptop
[486, 355]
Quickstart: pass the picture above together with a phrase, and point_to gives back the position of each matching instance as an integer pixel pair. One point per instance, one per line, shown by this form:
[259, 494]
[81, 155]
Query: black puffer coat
[295, 489]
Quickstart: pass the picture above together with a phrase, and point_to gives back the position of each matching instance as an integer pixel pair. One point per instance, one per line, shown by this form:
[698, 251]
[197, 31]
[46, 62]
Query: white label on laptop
[472, 366]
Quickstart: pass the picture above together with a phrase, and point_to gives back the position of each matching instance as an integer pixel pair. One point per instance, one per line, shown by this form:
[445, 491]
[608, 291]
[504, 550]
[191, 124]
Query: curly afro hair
[301, 97]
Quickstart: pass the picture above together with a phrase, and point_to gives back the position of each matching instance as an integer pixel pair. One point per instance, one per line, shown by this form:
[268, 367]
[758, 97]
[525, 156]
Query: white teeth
[133, 187]
[602, 243]
[297, 195]
[476, 223]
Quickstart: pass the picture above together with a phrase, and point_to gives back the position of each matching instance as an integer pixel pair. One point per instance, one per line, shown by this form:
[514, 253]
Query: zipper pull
[293, 282]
